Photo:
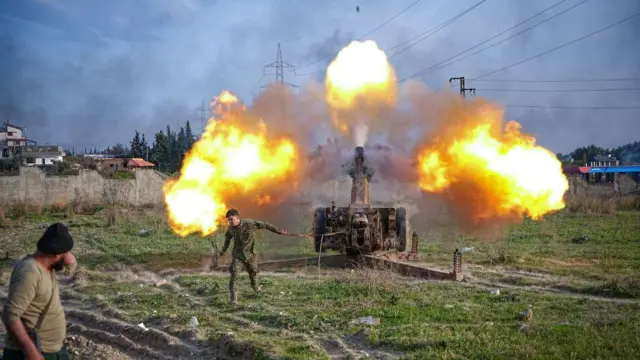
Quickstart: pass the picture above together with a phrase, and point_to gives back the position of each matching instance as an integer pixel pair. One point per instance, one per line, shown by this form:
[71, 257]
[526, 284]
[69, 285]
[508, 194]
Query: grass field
[576, 269]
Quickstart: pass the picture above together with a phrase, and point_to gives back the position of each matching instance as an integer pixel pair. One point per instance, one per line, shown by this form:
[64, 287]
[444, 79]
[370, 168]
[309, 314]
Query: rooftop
[43, 148]
[604, 158]
[4, 126]
[138, 162]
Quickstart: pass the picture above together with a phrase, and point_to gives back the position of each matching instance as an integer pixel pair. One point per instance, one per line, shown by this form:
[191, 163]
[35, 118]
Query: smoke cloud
[422, 118]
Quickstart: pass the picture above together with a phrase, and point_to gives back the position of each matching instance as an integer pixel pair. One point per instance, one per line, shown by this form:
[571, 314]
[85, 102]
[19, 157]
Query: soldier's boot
[254, 283]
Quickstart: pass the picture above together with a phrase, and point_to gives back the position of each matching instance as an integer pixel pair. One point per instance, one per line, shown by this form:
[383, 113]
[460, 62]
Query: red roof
[137, 162]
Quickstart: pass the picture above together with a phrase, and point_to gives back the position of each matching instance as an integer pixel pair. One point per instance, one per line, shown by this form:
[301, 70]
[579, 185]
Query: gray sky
[88, 73]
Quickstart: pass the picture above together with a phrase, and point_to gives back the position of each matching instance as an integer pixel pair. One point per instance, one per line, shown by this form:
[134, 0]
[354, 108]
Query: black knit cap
[56, 240]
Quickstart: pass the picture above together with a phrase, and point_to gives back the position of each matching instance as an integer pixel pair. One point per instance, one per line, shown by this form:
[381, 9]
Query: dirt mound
[82, 348]
[148, 343]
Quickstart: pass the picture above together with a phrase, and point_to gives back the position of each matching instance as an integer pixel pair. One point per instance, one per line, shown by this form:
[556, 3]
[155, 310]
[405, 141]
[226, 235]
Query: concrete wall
[624, 184]
[33, 187]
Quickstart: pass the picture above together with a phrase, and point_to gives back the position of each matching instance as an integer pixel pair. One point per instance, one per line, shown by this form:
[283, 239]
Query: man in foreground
[33, 314]
[242, 233]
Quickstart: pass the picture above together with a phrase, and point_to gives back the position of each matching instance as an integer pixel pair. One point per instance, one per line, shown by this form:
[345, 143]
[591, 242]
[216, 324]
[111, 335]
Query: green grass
[157, 248]
[599, 247]
[428, 320]
[589, 255]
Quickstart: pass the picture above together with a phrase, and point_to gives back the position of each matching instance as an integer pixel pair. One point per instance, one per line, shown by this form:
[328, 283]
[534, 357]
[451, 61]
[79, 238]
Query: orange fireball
[228, 161]
[360, 72]
[490, 172]
[359, 84]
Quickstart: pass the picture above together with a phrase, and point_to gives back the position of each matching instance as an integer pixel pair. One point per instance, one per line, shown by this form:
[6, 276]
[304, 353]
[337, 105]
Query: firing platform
[403, 268]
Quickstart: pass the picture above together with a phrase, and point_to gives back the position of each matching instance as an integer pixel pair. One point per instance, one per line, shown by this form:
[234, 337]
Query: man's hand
[69, 259]
[16, 328]
[283, 232]
[70, 263]
[34, 355]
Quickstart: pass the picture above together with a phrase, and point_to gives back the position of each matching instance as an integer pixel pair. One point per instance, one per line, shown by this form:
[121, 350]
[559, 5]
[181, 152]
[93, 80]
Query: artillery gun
[360, 229]
[372, 236]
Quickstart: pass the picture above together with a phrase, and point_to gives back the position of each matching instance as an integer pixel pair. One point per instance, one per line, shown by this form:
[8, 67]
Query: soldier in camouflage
[242, 234]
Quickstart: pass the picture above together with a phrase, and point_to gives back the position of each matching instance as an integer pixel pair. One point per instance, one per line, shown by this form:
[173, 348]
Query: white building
[39, 155]
[604, 161]
[12, 136]
[98, 156]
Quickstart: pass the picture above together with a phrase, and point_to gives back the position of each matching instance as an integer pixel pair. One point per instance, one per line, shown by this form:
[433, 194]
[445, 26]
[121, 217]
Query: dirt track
[102, 334]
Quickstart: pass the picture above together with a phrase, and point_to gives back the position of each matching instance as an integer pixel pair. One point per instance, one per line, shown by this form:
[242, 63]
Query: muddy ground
[99, 331]
[577, 271]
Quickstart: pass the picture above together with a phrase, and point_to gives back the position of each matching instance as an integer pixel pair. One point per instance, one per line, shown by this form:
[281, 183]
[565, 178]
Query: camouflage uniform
[243, 243]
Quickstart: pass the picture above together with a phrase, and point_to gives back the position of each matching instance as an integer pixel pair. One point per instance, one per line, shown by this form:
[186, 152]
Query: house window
[11, 133]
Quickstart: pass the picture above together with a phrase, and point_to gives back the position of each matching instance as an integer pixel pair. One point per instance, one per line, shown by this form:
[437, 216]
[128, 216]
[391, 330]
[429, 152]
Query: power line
[428, 33]
[253, 92]
[367, 34]
[448, 62]
[558, 47]
[342, 18]
[434, 30]
[391, 19]
[575, 107]
[562, 90]
[559, 81]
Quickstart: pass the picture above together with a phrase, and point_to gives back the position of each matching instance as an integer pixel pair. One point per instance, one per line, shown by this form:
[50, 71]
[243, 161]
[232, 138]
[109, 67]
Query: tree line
[169, 146]
[166, 151]
[628, 154]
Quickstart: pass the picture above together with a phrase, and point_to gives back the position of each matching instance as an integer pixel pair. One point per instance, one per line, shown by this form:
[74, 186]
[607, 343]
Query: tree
[586, 154]
[144, 146]
[182, 141]
[119, 150]
[189, 135]
[160, 152]
[136, 145]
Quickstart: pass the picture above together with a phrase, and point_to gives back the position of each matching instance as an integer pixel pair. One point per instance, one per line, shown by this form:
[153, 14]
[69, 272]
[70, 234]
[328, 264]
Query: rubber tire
[319, 227]
[401, 227]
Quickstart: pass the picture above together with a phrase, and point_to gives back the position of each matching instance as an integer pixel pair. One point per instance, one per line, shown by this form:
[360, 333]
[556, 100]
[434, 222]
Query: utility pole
[463, 90]
[279, 65]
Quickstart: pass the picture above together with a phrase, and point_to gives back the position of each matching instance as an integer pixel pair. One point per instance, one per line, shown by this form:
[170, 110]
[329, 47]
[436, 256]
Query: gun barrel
[360, 185]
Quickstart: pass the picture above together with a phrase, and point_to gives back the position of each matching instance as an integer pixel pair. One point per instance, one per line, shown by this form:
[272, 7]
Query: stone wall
[33, 187]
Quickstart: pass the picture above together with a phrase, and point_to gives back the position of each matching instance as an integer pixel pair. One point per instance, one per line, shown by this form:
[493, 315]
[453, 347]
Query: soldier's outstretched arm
[270, 227]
